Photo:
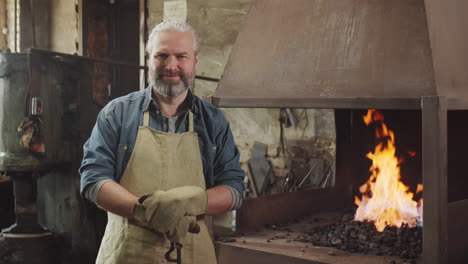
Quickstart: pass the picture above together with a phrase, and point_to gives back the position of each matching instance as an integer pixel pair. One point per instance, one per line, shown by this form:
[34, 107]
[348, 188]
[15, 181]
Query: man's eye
[180, 57]
[161, 56]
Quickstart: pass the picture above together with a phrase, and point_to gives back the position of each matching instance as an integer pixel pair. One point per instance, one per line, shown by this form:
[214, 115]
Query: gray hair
[171, 26]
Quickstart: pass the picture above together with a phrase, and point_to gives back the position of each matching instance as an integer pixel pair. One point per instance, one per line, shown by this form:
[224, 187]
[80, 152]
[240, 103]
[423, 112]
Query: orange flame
[386, 201]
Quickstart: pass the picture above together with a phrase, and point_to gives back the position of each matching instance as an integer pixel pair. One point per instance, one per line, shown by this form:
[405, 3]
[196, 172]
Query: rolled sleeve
[99, 151]
[236, 198]
[91, 192]
[227, 169]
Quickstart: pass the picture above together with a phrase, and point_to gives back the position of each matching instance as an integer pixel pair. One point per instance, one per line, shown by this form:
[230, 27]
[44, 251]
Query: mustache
[169, 73]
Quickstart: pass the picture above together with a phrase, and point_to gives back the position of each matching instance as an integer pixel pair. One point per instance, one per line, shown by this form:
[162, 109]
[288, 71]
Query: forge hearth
[362, 237]
[333, 237]
[351, 55]
[354, 140]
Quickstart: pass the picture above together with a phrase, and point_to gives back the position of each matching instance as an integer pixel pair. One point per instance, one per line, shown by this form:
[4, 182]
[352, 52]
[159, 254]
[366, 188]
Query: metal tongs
[178, 246]
[178, 259]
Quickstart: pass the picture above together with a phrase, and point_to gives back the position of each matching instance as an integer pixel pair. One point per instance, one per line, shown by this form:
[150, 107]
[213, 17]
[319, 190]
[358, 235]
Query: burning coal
[386, 201]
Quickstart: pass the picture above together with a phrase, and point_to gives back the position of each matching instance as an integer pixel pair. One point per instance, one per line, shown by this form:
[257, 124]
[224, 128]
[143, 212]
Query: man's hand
[185, 224]
[163, 210]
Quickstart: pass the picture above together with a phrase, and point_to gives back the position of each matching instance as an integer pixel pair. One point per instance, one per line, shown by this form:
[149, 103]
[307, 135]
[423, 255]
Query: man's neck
[171, 106]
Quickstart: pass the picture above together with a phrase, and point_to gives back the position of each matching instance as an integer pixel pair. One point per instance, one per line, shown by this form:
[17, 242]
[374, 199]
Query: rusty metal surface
[448, 25]
[457, 103]
[320, 103]
[279, 208]
[49, 79]
[434, 154]
[13, 93]
[331, 49]
[29, 249]
[27, 221]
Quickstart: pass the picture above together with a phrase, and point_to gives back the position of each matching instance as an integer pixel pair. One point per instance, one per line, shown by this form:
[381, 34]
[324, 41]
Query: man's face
[172, 64]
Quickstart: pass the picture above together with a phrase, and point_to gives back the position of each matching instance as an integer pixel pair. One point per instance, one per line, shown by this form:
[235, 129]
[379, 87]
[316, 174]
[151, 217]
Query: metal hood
[348, 54]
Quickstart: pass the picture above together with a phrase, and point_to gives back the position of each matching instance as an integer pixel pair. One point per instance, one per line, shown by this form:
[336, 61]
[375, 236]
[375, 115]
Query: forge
[407, 59]
[307, 226]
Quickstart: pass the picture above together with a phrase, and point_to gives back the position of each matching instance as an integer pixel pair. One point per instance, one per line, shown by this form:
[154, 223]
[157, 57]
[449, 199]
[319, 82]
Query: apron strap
[190, 121]
[146, 119]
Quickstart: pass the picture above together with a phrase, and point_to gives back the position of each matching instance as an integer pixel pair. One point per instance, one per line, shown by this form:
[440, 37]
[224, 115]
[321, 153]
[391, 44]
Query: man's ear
[196, 57]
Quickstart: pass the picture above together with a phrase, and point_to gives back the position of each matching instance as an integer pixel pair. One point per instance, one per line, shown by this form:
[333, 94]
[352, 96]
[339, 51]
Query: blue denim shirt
[107, 151]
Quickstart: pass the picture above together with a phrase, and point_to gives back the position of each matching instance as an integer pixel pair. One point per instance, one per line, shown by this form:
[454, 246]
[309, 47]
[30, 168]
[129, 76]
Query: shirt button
[214, 148]
[157, 112]
[124, 147]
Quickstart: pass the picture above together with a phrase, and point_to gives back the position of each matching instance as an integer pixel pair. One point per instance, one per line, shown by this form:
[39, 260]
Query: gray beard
[170, 89]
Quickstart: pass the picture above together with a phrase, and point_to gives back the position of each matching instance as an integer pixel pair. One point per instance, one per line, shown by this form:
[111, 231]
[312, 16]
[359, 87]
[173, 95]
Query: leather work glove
[184, 225]
[162, 210]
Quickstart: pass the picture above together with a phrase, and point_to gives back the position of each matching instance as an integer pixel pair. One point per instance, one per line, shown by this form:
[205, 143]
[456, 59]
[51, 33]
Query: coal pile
[362, 237]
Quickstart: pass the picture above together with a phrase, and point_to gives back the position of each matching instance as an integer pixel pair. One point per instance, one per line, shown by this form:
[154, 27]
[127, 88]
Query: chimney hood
[348, 54]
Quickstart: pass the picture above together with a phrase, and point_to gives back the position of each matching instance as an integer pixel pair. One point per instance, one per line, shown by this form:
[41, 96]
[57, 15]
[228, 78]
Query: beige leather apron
[159, 161]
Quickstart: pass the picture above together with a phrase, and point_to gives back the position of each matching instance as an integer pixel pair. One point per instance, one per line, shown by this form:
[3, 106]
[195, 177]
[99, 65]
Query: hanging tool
[178, 246]
[178, 259]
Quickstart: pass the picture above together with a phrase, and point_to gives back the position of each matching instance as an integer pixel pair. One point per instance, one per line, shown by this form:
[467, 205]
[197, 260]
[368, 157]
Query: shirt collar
[149, 101]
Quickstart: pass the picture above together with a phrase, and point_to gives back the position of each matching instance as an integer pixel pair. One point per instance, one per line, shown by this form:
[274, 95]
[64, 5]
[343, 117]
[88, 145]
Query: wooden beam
[3, 24]
[143, 11]
[434, 145]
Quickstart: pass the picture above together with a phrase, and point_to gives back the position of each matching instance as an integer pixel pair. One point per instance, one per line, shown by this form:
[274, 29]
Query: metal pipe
[99, 60]
[108, 61]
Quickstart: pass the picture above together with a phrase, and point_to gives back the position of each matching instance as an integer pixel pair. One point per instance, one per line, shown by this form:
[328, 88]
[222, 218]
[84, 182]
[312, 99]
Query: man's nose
[172, 63]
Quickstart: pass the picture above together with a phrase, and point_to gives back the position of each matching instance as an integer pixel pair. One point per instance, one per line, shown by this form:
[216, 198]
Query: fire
[386, 201]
